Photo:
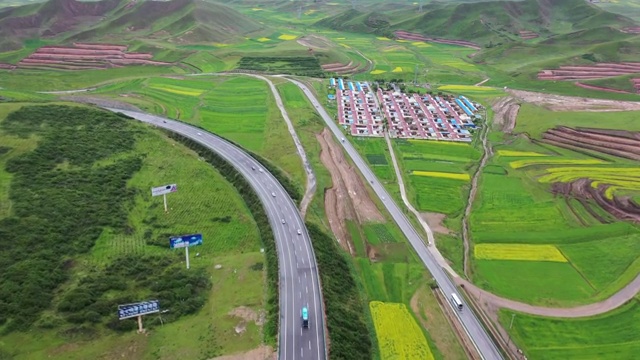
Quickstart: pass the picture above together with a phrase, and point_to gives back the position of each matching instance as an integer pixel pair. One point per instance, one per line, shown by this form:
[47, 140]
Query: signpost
[164, 190]
[185, 241]
[127, 311]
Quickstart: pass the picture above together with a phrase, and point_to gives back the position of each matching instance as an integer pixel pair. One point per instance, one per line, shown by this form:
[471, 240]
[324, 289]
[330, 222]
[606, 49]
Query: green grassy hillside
[485, 22]
[176, 21]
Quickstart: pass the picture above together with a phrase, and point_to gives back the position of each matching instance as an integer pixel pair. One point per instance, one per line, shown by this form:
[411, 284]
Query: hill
[485, 22]
[181, 21]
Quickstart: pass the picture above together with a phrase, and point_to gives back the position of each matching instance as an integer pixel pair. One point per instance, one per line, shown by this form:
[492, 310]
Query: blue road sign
[132, 310]
[183, 241]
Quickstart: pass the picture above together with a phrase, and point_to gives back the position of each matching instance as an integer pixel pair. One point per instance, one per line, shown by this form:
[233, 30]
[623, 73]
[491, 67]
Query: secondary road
[298, 271]
[470, 322]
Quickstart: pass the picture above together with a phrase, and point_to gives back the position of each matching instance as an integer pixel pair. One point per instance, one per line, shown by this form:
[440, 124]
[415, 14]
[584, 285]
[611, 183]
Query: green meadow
[612, 335]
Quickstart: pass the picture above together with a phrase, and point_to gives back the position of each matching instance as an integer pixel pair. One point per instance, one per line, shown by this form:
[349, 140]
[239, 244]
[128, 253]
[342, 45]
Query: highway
[470, 322]
[298, 271]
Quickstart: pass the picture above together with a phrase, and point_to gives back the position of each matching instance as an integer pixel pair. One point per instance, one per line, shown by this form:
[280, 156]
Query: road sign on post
[164, 190]
[185, 241]
[127, 311]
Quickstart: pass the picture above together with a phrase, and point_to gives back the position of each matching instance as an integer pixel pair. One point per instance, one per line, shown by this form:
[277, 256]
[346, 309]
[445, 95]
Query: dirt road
[347, 199]
[486, 155]
[572, 103]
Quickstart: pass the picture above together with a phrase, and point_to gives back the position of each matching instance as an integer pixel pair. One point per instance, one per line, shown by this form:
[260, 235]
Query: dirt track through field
[572, 103]
[347, 199]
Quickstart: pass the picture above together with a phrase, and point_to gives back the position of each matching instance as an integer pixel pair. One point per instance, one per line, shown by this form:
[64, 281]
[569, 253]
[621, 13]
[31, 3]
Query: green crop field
[535, 120]
[239, 108]
[431, 193]
[612, 335]
[205, 202]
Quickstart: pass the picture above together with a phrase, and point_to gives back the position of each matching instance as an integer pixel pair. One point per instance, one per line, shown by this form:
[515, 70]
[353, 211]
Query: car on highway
[342, 139]
[283, 221]
[200, 133]
[305, 317]
[253, 167]
[273, 194]
[260, 169]
[299, 232]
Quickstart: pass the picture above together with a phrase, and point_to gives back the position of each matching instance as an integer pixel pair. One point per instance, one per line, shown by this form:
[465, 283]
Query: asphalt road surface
[298, 270]
[470, 322]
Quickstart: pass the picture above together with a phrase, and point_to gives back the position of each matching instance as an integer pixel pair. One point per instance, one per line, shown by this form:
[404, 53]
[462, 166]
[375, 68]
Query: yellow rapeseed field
[383, 38]
[345, 46]
[524, 252]
[376, 72]
[421, 44]
[529, 162]
[519, 153]
[263, 39]
[287, 37]
[179, 90]
[399, 336]
[398, 69]
[446, 175]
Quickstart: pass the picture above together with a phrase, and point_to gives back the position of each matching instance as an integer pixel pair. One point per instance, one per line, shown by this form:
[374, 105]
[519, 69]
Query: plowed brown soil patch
[505, 113]
[347, 198]
[597, 71]
[83, 56]
[622, 208]
[624, 144]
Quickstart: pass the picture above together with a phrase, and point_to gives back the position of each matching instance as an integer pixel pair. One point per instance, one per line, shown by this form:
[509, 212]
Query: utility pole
[420, 7]
[415, 75]
[300, 11]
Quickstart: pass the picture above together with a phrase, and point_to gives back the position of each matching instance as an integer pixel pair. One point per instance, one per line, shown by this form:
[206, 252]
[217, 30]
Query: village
[362, 111]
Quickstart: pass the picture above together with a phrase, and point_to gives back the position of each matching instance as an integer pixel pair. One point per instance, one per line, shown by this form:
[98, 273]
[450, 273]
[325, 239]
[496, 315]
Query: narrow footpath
[486, 155]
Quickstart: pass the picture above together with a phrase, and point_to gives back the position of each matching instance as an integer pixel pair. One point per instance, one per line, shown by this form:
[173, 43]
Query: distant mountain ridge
[182, 21]
[481, 22]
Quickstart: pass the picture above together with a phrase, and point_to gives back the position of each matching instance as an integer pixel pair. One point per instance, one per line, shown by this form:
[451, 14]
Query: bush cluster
[131, 278]
[60, 201]
[347, 327]
[296, 65]
[262, 221]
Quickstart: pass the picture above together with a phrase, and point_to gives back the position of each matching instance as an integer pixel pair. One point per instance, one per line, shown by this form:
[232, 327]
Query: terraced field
[522, 202]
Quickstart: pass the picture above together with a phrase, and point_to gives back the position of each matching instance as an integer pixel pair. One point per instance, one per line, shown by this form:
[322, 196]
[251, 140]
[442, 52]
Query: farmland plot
[613, 335]
[399, 336]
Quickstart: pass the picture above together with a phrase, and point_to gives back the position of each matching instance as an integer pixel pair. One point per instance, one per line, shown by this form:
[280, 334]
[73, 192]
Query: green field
[141, 235]
[239, 108]
[436, 194]
[613, 335]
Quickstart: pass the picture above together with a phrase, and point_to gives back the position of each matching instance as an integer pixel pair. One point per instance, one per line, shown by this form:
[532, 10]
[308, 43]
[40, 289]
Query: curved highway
[298, 271]
[483, 343]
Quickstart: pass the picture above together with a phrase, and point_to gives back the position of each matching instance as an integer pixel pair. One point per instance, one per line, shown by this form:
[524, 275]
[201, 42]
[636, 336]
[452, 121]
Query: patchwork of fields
[538, 247]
